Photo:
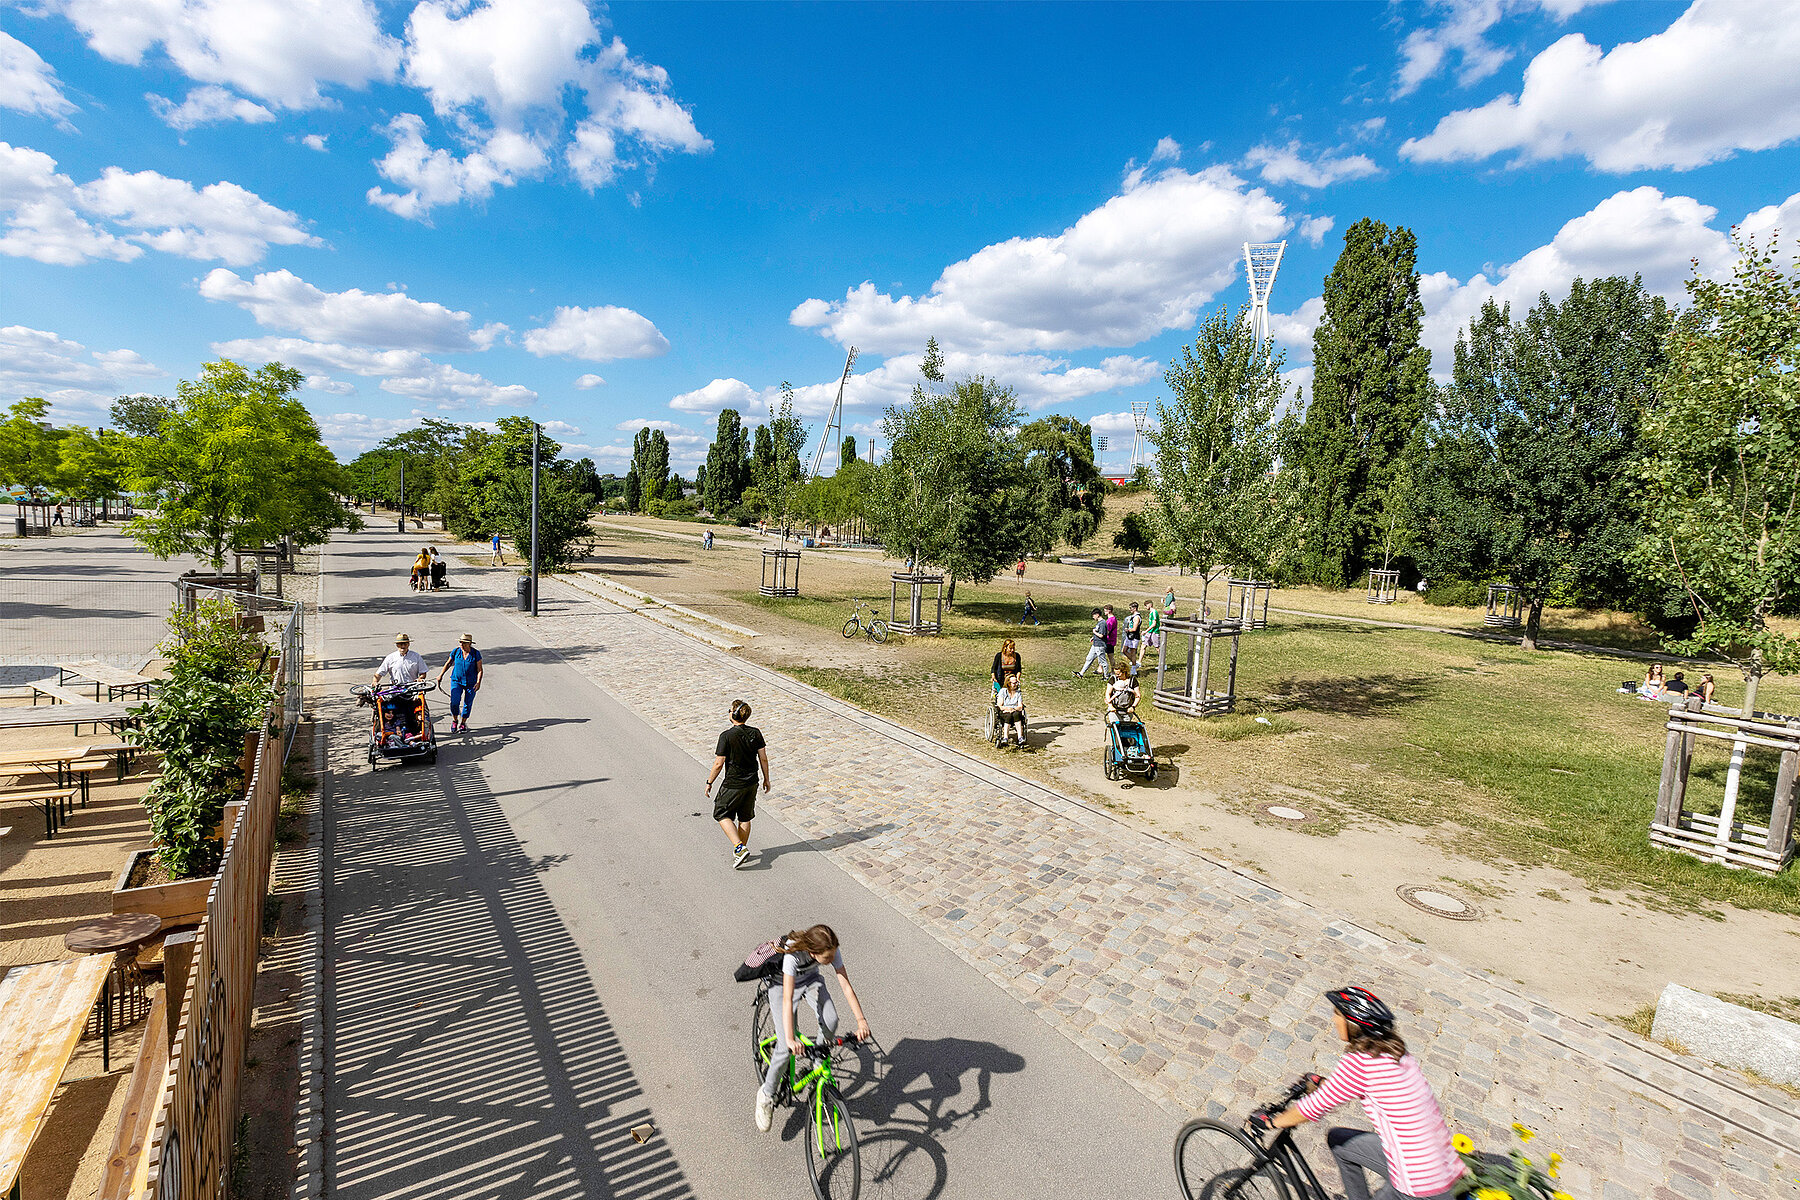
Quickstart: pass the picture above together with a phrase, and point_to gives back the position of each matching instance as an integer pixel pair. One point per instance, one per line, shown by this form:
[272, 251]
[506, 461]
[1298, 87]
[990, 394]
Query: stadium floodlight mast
[1140, 424]
[833, 437]
[1261, 261]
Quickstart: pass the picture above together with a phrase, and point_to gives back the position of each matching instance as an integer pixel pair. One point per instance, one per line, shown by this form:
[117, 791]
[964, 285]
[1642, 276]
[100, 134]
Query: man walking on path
[465, 670]
[741, 750]
[497, 559]
[1097, 646]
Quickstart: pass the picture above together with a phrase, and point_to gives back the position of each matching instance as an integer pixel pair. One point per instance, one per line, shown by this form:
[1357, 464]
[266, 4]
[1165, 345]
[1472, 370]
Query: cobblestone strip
[1195, 982]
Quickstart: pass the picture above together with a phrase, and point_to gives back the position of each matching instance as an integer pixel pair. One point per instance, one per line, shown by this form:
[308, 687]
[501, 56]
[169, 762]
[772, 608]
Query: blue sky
[606, 216]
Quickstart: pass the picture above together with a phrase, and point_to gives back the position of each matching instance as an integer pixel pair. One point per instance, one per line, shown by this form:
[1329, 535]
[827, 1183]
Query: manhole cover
[1438, 904]
[1285, 813]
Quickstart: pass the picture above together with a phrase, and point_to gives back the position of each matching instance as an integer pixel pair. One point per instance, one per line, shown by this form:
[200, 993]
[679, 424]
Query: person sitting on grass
[1651, 688]
[1121, 695]
[1012, 710]
[1705, 690]
[1676, 688]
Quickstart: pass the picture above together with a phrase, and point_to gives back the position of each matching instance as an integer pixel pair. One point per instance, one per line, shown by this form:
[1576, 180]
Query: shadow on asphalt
[466, 1045]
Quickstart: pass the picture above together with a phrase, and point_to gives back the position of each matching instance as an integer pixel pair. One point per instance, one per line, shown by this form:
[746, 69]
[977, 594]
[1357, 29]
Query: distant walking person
[464, 668]
[1112, 635]
[1020, 570]
[497, 559]
[741, 750]
[59, 517]
[1030, 613]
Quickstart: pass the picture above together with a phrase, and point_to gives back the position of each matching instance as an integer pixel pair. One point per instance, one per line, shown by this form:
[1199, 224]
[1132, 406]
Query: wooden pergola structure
[1384, 586]
[780, 572]
[1724, 837]
[1503, 607]
[1193, 694]
[914, 618]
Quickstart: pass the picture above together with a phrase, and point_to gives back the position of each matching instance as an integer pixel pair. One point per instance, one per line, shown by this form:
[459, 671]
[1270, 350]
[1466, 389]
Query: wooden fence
[189, 1155]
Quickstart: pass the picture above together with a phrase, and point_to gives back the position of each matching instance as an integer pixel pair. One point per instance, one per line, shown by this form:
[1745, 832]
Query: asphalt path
[93, 594]
[529, 949]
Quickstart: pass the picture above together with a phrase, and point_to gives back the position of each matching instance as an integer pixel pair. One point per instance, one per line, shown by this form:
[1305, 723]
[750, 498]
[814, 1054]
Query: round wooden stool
[120, 935]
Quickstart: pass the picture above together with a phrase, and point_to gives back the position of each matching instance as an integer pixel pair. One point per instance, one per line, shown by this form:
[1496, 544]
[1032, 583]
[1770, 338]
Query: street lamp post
[534, 518]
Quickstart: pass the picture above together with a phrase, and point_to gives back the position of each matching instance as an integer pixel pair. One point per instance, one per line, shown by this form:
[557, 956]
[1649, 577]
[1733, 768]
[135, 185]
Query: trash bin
[524, 593]
[18, 526]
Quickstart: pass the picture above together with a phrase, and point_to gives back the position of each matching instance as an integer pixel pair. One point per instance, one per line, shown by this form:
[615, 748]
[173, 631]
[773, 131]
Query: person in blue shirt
[464, 668]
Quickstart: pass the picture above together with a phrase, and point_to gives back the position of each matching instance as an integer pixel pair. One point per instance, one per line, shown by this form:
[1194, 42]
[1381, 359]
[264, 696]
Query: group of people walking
[1126, 639]
[463, 666]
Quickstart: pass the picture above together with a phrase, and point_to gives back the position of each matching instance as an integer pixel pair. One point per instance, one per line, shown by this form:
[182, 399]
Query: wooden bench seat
[55, 803]
[57, 694]
[43, 1009]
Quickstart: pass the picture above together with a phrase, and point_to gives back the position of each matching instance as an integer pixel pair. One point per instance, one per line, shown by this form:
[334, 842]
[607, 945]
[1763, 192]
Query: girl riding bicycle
[1411, 1152]
[804, 952]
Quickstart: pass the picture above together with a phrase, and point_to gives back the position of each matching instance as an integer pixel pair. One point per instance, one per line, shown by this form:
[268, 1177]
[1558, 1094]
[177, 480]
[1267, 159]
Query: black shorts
[735, 802]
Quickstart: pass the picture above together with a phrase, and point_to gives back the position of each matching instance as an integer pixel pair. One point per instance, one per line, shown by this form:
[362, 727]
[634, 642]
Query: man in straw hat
[401, 667]
[464, 668]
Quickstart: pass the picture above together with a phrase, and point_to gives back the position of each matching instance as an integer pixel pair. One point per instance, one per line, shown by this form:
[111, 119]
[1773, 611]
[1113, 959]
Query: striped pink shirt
[1420, 1159]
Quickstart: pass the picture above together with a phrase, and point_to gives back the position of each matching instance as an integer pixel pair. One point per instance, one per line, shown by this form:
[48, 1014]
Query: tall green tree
[1371, 383]
[29, 454]
[92, 466]
[1721, 463]
[727, 465]
[847, 452]
[238, 462]
[1524, 471]
[1061, 453]
[650, 459]
[140, 416]
[1217, 496]
[956, 491]
[780, 474]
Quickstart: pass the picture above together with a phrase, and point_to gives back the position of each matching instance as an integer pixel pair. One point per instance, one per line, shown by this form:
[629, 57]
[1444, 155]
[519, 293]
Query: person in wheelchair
[1011, 705]
[1006, 662]
[1121, 695]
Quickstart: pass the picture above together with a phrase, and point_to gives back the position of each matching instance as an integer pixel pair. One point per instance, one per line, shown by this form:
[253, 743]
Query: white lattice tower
[1140, 424]
[1261, 261]
[833, 437]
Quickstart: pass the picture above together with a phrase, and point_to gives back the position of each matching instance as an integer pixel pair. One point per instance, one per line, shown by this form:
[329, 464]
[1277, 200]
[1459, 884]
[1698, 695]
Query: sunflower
[1525, 1135]
[1462, 1144]
[1488, 1193]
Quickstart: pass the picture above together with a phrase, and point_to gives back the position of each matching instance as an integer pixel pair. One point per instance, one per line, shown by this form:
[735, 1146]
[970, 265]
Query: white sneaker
[765, 1111]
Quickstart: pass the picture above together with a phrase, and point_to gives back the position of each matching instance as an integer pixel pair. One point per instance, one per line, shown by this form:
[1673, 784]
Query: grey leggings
[1356, 1151]
[813, 992]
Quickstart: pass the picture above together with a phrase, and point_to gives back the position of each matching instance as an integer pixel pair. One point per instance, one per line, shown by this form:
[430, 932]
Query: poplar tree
[1371, 383]
[727, 465]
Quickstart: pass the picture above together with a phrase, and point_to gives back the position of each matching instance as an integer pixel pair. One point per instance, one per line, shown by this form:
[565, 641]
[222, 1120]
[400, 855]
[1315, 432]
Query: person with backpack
[740, 751]
[798, 958]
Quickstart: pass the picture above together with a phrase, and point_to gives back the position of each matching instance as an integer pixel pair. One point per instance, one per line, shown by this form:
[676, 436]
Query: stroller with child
[1127, 748]
[400, 728]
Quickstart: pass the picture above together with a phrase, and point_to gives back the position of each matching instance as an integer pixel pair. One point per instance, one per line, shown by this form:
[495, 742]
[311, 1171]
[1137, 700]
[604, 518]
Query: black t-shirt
[738, 746]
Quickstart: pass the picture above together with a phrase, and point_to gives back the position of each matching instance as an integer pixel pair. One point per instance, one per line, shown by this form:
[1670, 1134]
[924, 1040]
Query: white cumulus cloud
[315, 141]
[220, 220]
[598, 335]
[516, 84]
[1314, 229]
[77, 382]
[284, 52]
[207, 106]
[403, 372]
[1142, 263]
[717, 395]
[283, 300]
[38, 206]
[28, 84]
[335, 387]
[585, 383]
[1721, 79]
[1287, 164]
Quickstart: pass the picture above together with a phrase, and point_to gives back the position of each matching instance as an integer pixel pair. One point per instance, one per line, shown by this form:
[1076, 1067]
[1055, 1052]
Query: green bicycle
[832, 1157]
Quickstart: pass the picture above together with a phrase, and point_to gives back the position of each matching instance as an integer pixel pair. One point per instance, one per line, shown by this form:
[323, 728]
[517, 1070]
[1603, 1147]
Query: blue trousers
[462, 698]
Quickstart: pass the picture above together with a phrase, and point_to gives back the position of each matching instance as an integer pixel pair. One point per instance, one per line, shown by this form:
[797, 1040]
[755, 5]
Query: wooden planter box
[180, 902]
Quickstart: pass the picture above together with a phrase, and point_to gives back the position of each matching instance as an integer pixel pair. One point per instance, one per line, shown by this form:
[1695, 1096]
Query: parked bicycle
[832, 1159]
[1216, 1161]
[872, 627]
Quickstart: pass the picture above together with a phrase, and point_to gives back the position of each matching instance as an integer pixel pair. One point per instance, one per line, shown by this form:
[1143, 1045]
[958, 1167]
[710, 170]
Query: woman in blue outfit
[464, 668]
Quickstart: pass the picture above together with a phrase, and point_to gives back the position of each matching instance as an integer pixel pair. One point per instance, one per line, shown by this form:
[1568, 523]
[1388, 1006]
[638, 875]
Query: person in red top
[1411, 1151]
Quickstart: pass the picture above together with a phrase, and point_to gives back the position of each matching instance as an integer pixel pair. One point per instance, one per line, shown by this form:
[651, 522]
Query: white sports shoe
[765, 1111]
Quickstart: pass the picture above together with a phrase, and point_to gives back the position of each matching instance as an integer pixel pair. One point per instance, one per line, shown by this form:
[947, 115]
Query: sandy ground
[1600, 951]
[46, 888]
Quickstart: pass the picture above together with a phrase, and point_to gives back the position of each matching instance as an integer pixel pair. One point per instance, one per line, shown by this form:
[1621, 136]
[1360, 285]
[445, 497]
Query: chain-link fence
[52, 617]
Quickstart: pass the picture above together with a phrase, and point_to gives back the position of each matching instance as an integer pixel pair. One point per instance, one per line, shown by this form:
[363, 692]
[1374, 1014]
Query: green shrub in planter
[215, 694]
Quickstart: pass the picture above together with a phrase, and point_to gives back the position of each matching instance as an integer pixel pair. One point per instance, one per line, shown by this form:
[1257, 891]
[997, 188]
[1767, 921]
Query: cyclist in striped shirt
[1411, 1151]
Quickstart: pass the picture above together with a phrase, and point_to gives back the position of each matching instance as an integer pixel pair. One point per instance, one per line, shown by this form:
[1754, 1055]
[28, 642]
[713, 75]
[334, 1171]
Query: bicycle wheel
[878, 629]
[1215, 1162]
[832, 1157]
[852, 627]
[762, 1034]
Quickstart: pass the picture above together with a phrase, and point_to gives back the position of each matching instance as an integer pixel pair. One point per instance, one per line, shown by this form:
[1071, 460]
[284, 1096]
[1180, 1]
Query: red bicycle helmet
[1361, 1008]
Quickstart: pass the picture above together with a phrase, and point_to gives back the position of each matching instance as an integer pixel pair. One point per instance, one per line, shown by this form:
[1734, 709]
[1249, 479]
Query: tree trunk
[1533, 618]
[950, 600]
[1753, 673]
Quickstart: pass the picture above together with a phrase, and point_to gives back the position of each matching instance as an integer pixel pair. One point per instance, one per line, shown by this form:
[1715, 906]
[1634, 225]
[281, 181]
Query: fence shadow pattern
[467, 1051]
